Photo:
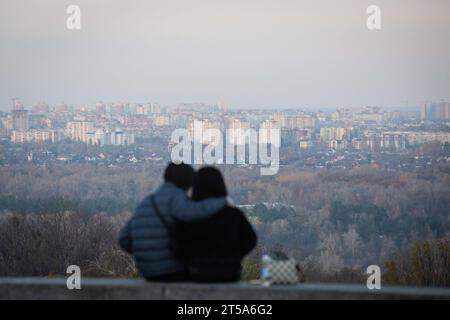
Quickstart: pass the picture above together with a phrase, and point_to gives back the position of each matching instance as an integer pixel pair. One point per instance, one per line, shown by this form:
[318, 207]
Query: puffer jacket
[215, 246]
[147, 239]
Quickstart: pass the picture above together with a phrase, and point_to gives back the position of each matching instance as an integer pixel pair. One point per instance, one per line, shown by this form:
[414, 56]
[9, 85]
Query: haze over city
[248, 54]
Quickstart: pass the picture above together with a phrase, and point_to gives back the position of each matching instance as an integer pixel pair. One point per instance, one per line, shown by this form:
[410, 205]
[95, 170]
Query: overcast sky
[244, 53]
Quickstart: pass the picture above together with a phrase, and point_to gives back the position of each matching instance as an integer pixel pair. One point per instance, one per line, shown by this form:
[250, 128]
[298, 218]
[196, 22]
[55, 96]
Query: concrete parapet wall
[104, 288]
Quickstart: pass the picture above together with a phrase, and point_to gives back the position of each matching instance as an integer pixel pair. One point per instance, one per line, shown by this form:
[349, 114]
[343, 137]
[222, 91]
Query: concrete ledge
[121, 289]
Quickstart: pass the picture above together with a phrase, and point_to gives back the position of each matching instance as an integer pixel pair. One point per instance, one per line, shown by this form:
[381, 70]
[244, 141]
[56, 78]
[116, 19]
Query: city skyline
[16, 102]
[263, 54]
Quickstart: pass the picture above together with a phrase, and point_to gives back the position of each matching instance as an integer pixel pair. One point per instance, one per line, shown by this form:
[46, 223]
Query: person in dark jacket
[146, 237]
[215, 246]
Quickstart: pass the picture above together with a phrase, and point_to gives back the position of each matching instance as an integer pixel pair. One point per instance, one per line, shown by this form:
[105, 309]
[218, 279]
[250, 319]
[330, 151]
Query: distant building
[337, 145]
[373, 142]
[153, 108]
[178, 120]
[304, 121]
[267, 131]
[198, 130]
[20, 119]
[162, 120]
[435, 111]
[398, 140]
[370, 117]
[288, 137]
[140, 110]
[116, 137]
[421, 137]
[41, 108]
[26, 136]
[393, 141]
[236, 124]
[329, 134]
[80, 130]
[296, 136]
[321, 116]
[117, 109]
[280, 118]
[6, 125]
[100, 109]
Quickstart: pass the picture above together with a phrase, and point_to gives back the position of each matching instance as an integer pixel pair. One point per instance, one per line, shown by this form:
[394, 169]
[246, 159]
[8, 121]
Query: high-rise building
[20, 119]
[280, 118]
[328, 134]
[393, 141]
[22, 136]
[305, 121]
[268, 132]
[198, 130]
[435, 111]
[80, 130]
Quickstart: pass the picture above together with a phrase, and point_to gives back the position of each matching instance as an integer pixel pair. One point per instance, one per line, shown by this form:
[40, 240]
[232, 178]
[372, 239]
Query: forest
[335, 222]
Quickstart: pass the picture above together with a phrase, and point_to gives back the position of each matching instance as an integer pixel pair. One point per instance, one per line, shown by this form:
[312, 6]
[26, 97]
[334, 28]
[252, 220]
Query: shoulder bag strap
[159, 214]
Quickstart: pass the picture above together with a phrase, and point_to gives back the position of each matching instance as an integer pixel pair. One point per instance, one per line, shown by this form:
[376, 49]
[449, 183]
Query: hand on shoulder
[230, 202]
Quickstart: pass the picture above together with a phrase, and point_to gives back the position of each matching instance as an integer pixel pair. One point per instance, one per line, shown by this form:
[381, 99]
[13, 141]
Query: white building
[80, 130]
[23, 136]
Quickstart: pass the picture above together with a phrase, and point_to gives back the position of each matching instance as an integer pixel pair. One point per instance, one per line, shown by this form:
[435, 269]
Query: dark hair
[208, 182]
[182, 175]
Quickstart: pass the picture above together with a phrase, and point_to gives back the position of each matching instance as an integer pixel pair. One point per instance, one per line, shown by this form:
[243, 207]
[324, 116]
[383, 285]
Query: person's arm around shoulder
[185, 209]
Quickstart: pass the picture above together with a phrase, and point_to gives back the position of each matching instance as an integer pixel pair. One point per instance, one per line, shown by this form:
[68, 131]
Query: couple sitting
[211, 236]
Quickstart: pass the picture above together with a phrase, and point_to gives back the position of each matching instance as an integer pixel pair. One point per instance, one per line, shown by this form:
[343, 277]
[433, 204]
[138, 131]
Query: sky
[241, 53]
